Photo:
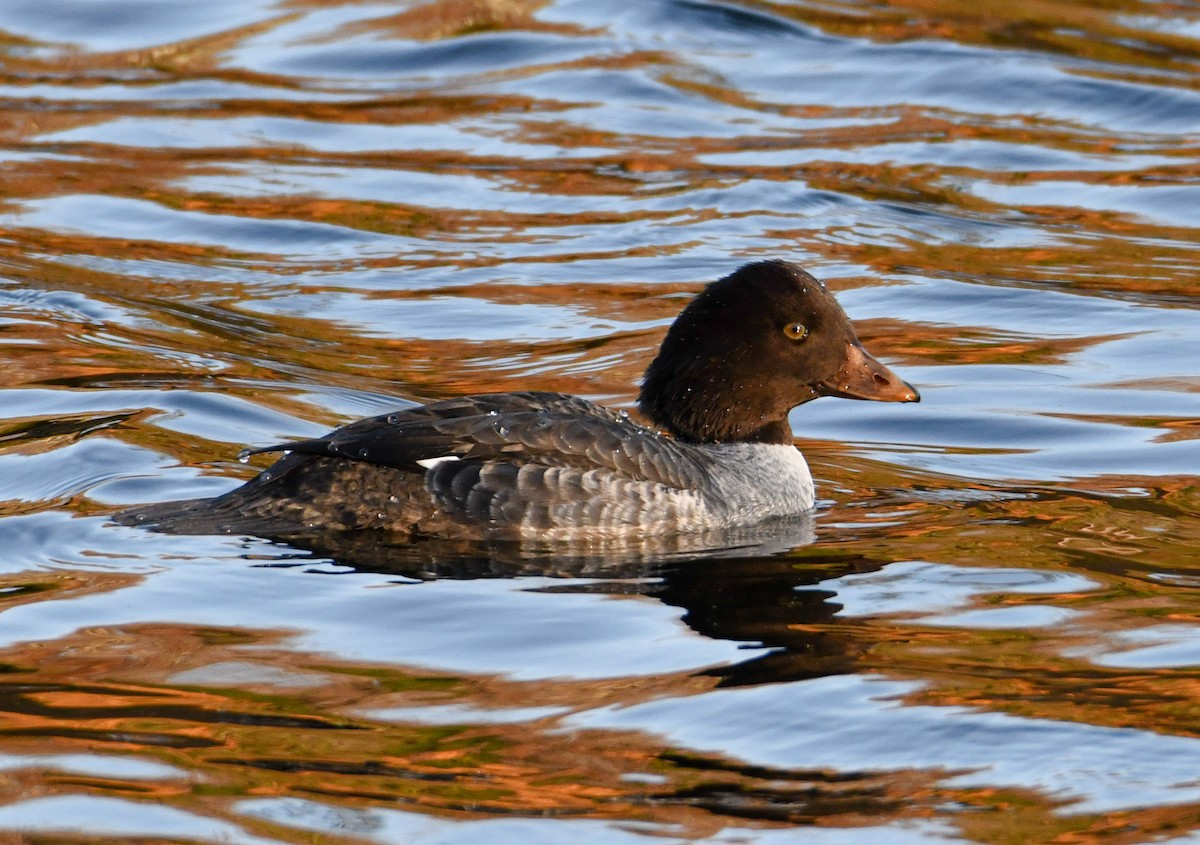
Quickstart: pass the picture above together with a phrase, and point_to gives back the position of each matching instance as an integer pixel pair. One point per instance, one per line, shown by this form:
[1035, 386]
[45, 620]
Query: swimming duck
[718, 452]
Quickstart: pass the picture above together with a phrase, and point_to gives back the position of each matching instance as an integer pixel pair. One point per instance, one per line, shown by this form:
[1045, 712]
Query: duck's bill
[862, 377]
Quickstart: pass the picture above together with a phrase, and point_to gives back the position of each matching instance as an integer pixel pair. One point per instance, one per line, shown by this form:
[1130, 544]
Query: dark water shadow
[760, 591]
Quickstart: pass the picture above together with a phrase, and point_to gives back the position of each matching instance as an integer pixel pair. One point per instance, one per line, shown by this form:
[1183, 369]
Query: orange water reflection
[191, 268]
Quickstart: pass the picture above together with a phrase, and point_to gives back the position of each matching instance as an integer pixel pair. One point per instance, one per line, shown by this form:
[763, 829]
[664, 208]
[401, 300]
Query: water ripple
[228, 224]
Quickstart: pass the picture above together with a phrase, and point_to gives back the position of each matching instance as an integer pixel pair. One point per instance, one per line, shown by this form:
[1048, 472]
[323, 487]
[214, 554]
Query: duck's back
[513, 464]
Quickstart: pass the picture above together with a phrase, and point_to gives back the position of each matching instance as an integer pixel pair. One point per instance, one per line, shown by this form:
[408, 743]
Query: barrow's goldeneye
[718, 452]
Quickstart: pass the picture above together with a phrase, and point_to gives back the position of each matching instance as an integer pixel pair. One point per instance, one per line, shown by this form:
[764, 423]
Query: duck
[715, 450]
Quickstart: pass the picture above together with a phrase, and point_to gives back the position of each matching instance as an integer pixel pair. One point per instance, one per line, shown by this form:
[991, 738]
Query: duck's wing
[488, 465]
[552, 430]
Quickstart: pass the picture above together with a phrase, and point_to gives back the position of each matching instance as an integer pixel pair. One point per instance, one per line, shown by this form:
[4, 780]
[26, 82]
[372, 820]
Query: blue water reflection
[233, 223]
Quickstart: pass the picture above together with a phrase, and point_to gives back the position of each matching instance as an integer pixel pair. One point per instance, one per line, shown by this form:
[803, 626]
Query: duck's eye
[796, 331]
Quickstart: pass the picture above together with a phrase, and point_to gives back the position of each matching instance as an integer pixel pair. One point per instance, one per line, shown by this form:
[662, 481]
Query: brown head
[751, 347]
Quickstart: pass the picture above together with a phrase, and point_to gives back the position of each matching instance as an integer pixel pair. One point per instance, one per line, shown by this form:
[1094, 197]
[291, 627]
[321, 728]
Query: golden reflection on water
[244, 715]
[241, 712]
[1105, 32]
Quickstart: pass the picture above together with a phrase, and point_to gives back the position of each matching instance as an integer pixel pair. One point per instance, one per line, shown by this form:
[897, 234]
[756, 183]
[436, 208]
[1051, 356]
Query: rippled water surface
[229, 223]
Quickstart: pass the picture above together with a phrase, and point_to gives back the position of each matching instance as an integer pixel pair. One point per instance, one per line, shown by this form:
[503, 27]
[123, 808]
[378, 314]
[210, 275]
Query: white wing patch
[430, 463]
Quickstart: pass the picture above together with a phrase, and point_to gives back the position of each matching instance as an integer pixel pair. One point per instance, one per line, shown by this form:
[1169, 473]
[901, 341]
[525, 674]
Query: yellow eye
[796, 331]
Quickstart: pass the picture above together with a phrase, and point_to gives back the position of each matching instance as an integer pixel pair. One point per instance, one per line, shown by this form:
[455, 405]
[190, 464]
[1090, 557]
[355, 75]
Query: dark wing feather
[550, 429]
[542, 460]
